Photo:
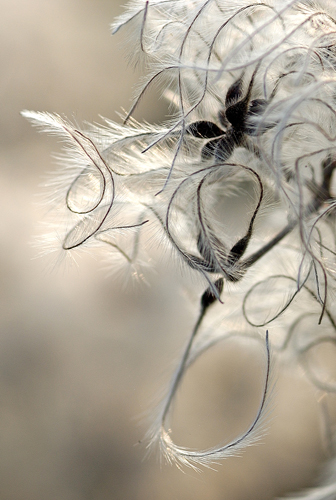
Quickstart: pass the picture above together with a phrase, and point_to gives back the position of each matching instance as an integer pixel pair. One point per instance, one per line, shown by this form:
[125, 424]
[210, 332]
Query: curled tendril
[159, 434]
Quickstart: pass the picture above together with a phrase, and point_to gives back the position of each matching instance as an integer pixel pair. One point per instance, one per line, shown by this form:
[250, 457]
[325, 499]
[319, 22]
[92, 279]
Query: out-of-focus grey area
[80, 360]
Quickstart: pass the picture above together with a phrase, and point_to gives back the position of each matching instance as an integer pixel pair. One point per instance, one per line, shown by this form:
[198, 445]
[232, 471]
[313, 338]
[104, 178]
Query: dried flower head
[252, 132]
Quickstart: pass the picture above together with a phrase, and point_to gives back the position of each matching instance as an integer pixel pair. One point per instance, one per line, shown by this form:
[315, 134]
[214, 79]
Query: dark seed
[236, 114]
[209, 297]
[204, 130]
[209, 149]
[238, 249]
[225, 147]
[234, 92]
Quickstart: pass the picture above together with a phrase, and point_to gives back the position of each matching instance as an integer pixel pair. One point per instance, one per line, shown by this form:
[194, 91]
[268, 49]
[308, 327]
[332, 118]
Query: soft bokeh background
[80, 360]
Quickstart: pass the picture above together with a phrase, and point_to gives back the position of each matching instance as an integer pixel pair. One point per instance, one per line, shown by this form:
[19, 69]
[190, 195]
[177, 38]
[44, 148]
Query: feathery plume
[253, 124]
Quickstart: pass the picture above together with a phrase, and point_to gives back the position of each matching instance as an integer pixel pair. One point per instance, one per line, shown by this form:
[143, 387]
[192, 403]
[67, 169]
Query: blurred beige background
[80, 362]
